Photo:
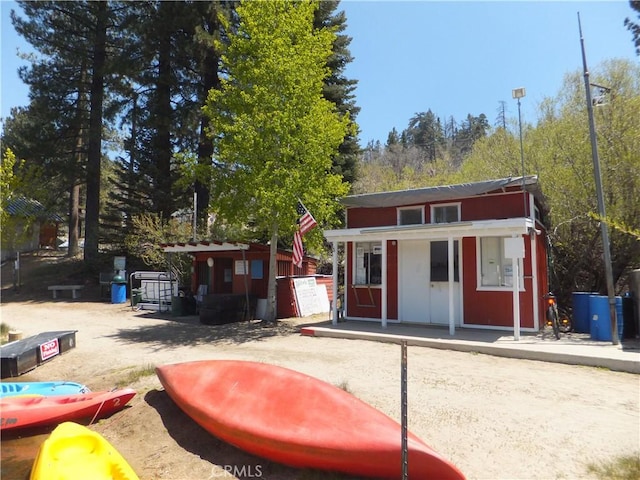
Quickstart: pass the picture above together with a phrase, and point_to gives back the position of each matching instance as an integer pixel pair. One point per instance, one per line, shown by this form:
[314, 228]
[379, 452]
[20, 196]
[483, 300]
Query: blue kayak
[45, 389]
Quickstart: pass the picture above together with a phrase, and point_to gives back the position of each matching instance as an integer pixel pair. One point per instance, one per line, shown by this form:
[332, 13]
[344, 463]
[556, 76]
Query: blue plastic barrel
[619, 318]
[118, 292]
[581, 319]
[601, 319]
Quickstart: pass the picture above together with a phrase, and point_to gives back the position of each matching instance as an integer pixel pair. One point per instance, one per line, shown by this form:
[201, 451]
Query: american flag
[305, 223]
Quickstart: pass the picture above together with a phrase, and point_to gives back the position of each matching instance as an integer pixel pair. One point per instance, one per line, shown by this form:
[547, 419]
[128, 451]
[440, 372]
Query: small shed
[32, 227]
[235, 274]
[467, 255]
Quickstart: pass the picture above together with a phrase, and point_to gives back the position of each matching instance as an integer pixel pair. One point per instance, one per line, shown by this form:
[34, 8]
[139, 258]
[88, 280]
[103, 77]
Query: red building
[468, 255]
[221, 270]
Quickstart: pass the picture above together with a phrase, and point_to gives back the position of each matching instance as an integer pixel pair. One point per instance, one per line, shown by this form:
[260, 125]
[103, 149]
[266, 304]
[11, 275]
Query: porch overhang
[480, 228]
[194, 247]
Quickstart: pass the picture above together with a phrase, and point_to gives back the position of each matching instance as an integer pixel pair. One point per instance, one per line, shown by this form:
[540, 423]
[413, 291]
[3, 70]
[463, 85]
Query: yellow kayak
[72, 452]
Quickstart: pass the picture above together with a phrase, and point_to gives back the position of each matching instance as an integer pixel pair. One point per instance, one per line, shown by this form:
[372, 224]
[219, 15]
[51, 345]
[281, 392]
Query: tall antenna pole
[518, 93]
[601, 207]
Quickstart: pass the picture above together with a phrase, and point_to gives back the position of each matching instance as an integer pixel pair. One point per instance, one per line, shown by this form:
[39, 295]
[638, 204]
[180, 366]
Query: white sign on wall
[241, 267]
[514, 247]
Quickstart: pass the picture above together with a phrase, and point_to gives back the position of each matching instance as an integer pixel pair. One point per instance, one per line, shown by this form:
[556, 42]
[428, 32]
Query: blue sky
[452, 57]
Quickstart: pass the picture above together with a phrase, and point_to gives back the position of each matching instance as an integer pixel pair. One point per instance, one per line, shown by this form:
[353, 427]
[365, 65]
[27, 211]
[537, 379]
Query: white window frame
[441, 205]
[360, 249]
[505, 264]
[400, 209]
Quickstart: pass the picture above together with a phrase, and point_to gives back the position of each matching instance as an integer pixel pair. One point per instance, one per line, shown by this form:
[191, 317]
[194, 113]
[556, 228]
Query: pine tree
[633, 27]
[425, 132]
[66, 80]
[178, 46]
[337, 88]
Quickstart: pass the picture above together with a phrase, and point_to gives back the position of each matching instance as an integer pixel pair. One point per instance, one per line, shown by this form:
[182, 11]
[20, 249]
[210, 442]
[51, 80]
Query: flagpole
[601, 206]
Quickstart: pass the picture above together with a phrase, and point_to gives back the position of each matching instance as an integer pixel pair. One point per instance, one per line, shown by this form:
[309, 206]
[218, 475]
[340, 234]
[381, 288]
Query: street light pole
[518, 93]
[601, 207]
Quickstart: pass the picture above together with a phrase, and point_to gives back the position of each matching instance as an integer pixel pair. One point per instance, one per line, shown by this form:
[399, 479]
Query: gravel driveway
[495, 418]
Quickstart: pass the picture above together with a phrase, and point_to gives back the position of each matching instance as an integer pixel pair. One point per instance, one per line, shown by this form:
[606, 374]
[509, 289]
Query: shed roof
[28, 207]
[433, 194]
[212, 246]
[203, 246]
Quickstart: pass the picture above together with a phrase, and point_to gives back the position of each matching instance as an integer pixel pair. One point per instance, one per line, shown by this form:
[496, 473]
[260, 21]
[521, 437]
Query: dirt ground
[495, 418]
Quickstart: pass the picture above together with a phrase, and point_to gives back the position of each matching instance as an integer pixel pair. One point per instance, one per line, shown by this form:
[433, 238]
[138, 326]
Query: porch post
[514, 249]
[383, 291]
[450, 273]
[516, 299]
[535, 294]
[534, 283]
[334, 309]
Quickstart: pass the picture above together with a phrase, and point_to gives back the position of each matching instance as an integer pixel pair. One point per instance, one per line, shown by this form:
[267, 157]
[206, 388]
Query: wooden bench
[58, 288]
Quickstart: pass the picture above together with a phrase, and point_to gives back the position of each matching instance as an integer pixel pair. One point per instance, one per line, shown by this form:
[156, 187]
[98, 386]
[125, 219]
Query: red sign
[49, 349]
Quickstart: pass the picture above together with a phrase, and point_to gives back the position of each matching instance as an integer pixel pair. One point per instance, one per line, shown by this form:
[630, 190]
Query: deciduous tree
[274, 133]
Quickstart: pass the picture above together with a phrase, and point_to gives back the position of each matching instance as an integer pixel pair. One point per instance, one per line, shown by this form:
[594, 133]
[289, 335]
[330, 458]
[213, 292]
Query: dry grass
[4, 333]
[135, 374]
[620, 468]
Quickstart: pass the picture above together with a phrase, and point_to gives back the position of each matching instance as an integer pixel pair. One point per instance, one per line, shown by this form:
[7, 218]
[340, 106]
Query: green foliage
[7, 184]
[149, 232]
[618, 225]
[150, 66]
[337, 88]
[425, 153]
[14, 184]
[558, 150]
[561, 152]
[273, 132]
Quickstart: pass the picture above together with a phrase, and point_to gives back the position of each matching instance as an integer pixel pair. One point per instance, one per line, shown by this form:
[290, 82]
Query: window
[495, 269]
[410, 216]
[256, 269]
[368, 263]
[445, 213]
[440, 261]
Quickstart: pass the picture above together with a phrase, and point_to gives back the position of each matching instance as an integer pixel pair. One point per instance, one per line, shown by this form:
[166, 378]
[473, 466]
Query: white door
[413, 281]
[439, 283]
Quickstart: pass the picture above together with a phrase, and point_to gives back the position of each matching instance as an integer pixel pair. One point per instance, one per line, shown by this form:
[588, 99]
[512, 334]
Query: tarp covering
[433, 194]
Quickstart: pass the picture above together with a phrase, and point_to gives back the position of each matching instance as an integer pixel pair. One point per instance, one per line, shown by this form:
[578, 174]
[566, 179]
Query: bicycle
[559, 323]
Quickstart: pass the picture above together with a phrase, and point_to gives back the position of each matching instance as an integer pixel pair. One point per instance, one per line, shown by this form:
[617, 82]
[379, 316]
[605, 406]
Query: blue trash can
[581, 318]
[619, 318]
[118, 290]
[601, 319]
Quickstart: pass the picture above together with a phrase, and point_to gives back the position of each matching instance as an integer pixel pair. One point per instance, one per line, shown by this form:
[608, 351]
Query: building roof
[435, 194]
[212, 246]
[203, 246]
[28, 207]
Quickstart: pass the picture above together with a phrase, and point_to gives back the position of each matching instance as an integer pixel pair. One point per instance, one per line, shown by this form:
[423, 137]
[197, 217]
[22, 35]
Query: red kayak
[21, 412]
[294, 419]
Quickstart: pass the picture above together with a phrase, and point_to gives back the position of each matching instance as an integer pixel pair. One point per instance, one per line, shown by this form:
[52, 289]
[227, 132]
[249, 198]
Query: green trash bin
[136, 296]
[176, 306]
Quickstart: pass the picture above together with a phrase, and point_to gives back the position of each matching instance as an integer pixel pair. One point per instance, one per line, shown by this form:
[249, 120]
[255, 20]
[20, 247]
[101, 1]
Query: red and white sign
[49, 349]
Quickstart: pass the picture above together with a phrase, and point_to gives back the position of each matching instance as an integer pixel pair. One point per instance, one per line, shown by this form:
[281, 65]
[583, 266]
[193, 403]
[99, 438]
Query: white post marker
[514, 249]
